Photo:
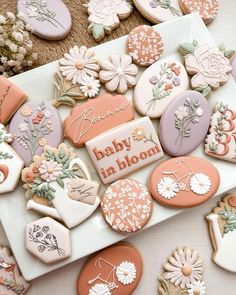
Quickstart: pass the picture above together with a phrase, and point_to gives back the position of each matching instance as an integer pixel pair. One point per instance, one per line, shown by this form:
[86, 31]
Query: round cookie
[207, 9]
[126, 206]
[184, 182]
[34, 126]
[115, 270]
[234, 67]
[49, 19]
[184, 124]
[158, 11]
[145, 45]
[158, 86]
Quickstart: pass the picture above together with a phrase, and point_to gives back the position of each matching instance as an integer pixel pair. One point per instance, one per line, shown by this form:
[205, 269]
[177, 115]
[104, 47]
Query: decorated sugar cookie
[11, 98]
[220, 142]
[126, 206]
[145, 45]
[158, 11]
[115, 270]
[34, 126]
[158, 86]
[183, 274]
[105, 16]
[97, 116]
[11, 280]
[10, 163]
[185, 123]
[124, 149]
[234, 67]
[118, 73]
[222, 227]
[48, 240]
[184, 182]
[55, 186]
[209, 67]
[207, 9]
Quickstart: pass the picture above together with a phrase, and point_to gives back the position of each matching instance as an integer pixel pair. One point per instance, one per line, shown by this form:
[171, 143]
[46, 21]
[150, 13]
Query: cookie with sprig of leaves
[209, 67]
[222, 229]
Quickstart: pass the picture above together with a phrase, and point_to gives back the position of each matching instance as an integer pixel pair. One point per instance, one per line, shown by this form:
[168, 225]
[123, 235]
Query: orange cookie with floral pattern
[145, 45]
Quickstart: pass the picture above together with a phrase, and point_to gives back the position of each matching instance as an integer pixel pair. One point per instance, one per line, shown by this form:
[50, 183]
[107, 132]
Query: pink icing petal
[113, 84]
[199, 80]
[191, 64]
[123, 8]
[107, 75]
[123, 87]
[115, 59]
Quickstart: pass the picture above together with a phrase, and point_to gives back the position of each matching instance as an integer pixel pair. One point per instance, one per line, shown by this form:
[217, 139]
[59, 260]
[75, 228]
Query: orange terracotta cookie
[145, 45]
[113, 271]
[126, 206]
[184, 182]
[207, 9]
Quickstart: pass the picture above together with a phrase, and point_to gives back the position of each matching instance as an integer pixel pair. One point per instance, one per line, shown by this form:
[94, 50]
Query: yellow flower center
[90, 86]
[80, 64]
[196, 291]
[50, 170]
[186, 270]
[126, 273]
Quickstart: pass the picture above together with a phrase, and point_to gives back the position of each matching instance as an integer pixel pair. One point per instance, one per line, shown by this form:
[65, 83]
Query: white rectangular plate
[94, 233]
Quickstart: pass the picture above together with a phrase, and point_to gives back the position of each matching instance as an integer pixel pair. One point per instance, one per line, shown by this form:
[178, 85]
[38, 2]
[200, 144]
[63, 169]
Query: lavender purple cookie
[50, 19]
[33, 126]
[185, 123]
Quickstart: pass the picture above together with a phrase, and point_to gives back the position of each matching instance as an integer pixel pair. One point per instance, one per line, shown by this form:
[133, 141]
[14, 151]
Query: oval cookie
[158, 85]
[115, 270]
[158, 11]
[184, 182]
[145, 45]
[126, 206]
[185, 123]
[33, 126]
[49, 19]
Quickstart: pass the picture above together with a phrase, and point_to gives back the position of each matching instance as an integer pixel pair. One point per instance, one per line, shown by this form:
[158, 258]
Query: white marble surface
[157, 243]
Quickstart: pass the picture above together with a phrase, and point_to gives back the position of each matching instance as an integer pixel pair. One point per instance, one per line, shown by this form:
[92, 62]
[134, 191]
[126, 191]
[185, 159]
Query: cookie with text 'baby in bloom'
[124, 149]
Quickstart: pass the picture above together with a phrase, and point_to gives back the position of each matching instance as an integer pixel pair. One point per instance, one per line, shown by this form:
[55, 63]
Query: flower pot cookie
[158, 11]
[222, 228]
[58, 184]
[184, 182]
[12, 282]
[183, 274]
[115, 270]
[126, 206]
[185, 123]
[145, 45]
[34, 126]
[208, 66]
[158, 86]
[49, 19]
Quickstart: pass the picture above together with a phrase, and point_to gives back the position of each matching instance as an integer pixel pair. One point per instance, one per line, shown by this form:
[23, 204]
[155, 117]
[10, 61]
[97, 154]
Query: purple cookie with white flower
[34, 126]
[50, 19]
[185, 123]
[158, 86]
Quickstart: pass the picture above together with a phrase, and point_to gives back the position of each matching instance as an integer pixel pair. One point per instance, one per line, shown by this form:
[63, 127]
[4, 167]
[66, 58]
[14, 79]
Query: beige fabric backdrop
[52, 50]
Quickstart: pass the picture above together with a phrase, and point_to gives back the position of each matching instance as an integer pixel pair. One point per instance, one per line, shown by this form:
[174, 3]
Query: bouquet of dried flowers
[16, 52]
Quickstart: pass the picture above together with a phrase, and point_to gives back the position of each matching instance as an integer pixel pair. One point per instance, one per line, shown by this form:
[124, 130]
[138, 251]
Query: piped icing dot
[186, 270]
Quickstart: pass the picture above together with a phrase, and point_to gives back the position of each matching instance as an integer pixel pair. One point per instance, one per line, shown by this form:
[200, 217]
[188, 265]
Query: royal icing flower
[90, 87]
[42, 141]
[182, 112]
[118, 73]
[99, 289]
[138, 134]
[26, 111]
[199, 111]
[79, 64]
[23, 127]
[197, 288]
[208, 66]
[126, 272]
[184, 268]
[167, 188]
[200, 183]
[50, 170]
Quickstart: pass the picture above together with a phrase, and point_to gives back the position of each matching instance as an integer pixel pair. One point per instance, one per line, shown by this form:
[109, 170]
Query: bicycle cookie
[48, 240]
[34, 126]
[145, 45]
[126, 206]
[184, 182]
[183, 274]
[222, 229]
[185, 123]
[220, 142]
[49, 19]
[158, 11]
[113, 271]
[158, 86]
